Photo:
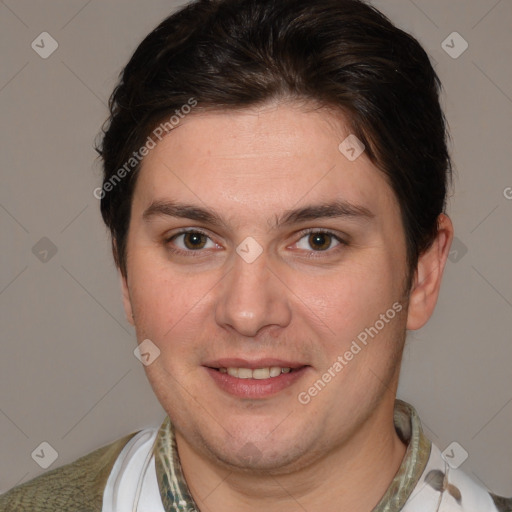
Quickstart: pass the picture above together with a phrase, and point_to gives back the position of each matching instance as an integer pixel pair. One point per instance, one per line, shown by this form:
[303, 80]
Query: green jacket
[76, 487]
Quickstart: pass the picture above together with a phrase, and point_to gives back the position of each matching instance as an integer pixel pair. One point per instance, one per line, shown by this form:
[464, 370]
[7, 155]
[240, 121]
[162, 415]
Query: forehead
[259, 162]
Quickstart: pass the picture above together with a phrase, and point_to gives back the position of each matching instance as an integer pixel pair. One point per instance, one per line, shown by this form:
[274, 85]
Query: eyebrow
[182, 211]
[336, 209]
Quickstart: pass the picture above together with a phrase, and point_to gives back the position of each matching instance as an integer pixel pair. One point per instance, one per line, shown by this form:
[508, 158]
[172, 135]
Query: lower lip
[255, 388]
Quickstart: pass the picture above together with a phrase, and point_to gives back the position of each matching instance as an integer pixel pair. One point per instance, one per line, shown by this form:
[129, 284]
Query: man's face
[240, 257]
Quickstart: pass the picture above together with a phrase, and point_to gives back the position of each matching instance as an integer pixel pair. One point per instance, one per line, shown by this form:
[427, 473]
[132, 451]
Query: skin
[294, 302]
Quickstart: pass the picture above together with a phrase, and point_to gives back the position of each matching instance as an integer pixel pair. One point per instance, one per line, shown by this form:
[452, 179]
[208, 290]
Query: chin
[258, 450]
[251, 459]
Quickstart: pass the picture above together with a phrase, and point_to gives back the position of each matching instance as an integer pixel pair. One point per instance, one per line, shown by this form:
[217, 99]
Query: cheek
[342, 297]
[157, 300]
[337, 308]
[167, 306]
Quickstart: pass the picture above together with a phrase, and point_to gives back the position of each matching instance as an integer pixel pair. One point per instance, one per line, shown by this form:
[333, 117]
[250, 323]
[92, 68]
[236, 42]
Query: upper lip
[267, 362]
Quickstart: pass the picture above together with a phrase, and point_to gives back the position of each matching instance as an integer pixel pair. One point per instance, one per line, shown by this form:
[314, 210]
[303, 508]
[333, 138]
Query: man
[275, 183]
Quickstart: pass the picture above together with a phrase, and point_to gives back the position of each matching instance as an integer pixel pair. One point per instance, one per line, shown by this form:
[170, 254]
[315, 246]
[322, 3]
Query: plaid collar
[176, 496]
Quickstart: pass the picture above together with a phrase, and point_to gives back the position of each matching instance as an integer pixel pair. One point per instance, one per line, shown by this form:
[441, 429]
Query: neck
[353, 476]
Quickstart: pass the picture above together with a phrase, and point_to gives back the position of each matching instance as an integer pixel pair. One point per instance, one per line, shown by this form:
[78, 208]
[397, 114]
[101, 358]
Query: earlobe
[428, 275]
[126, 298]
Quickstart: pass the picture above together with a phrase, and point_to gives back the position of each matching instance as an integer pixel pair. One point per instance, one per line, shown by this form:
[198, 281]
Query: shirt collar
[176, 496]
[408, 428]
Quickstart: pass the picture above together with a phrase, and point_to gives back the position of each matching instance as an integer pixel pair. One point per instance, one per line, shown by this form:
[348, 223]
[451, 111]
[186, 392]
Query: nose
[251, 298]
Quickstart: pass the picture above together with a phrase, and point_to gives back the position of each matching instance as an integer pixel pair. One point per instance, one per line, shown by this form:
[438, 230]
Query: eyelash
[318, 254]
[181, 252]
[198, 253]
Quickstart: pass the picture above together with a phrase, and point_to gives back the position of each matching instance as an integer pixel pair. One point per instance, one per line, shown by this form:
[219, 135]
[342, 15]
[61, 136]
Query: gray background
[68, 375]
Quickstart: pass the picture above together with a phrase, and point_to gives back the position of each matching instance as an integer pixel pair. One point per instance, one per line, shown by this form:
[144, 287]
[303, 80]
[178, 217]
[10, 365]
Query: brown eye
[320, 241]
[191, 241]
[194, 240]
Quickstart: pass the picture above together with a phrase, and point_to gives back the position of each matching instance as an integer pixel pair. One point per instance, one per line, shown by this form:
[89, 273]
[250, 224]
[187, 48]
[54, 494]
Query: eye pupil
[320, 241]
[194, 240]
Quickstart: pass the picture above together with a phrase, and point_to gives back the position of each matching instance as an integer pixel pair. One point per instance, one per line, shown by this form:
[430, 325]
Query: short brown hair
[342, 54]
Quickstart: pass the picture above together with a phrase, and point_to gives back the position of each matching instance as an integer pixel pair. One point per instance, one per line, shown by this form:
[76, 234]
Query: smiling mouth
[256, 373]
[255, 380]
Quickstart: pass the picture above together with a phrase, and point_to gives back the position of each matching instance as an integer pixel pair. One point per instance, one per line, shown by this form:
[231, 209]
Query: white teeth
[257, 373]
[261, 373]
[275, 371]
[233, 372]
[244, 373]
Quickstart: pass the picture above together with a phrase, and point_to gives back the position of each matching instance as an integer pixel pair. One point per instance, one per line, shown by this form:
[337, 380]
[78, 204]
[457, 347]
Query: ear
[429, 272]
[127, 303]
